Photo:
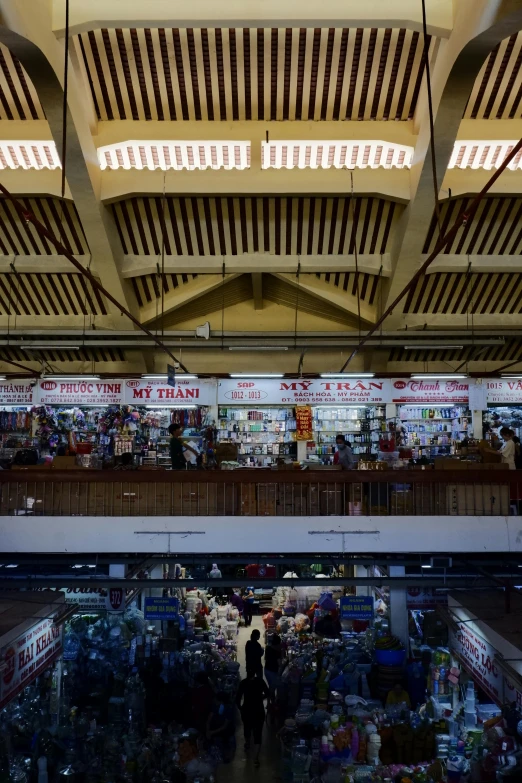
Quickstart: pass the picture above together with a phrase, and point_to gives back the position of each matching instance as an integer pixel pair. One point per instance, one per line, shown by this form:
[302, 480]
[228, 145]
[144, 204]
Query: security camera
[33, 384]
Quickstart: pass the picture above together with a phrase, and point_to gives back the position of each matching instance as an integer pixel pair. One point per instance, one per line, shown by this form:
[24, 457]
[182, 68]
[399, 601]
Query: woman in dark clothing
[272, 663]
[254, 653]
[177, 447]
[250, 699]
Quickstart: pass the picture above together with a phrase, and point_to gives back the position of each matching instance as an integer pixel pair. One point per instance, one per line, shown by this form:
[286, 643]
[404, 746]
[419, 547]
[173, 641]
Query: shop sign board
[27, 657]
[304, 426]
[512, 692]
[504, 391]
[161, 608]
[478, 657]
[425, 598]
[101, 392]
[303, 391]
[86, 599]
[429, 391]
[143, 391]
[356, 607]
[115, 599]
[17, 392]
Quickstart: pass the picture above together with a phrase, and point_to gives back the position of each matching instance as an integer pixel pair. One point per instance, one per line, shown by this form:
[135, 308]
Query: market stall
[427, 719]
[260, 415]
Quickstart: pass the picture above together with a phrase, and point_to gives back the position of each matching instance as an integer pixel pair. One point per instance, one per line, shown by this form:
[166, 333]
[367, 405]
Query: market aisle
[242, 768]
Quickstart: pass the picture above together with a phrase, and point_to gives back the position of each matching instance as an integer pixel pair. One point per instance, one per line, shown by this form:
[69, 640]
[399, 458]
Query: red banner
[303, 415]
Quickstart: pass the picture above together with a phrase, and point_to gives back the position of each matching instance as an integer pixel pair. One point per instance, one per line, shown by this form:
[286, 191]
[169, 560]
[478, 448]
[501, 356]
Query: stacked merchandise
[118, 706]
[263, 435]
[434, 431]
[96, 435]
[15, 435]
[362, 426]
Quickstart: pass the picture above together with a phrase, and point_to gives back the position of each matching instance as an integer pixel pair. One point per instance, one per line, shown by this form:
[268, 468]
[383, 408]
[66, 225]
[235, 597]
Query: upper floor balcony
[260, 511]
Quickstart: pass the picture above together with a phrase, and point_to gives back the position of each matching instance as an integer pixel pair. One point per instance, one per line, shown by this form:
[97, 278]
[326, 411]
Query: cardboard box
[64, 463]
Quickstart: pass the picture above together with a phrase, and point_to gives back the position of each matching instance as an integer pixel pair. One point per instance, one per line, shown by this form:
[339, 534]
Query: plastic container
[390, 657]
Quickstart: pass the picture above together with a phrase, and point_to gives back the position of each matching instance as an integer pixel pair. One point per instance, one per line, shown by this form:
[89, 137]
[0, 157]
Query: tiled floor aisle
[242, 768]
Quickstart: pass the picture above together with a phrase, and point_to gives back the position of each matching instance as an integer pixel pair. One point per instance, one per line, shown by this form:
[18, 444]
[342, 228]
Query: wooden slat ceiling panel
[497, 93]
[49, 294]
[253, 74]
[17, 237]
[477, 294]
[495, 229]
[18, 98]
[275, 225]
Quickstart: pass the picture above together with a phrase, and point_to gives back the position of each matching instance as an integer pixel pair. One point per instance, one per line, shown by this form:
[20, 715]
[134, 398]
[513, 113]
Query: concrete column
[399, 609]
[476, 424]
[362, 572]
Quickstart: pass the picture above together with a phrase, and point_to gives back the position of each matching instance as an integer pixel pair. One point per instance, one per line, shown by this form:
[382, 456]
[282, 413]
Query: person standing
[248, 600]
[254, 653]
[177, 447]
[251, 695]
[508, 450]
[344, 454]
[272, 663]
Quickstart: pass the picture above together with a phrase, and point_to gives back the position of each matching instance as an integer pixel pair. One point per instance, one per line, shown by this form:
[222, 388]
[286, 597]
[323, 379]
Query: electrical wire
[462, 219]
[27, 215]
[65, 97]
[430, 112]
[355, 226]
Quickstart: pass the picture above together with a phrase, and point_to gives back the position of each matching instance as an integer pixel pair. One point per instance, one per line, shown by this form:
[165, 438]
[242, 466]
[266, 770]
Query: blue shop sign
[356, 607]
[161, 608]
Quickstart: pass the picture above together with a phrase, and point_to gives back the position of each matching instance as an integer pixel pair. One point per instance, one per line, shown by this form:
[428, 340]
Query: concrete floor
[242, 768]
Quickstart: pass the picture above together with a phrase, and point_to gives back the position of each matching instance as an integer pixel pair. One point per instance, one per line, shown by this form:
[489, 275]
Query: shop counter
[244, 492]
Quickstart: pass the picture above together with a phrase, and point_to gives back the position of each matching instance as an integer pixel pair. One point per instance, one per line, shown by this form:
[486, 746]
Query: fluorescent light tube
[180, 377]
[256, 375]
[347, 375]
[257, 348]
[420, 346]
[54, 347]
[70, 378]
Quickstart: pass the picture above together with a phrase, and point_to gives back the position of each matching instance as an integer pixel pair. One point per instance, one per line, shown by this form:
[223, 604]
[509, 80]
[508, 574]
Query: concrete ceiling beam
[373, 264]
[387, 183]
[237, 13]
[479, 26]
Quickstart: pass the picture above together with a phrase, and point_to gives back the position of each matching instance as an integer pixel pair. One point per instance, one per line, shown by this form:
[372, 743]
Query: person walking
[272, 663]
[254, 653]
[251, 696]
[248, 606]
